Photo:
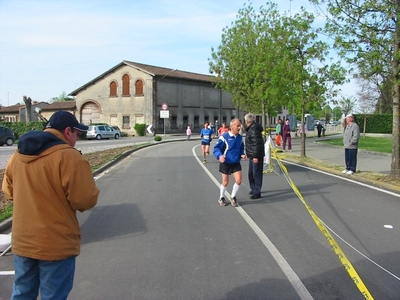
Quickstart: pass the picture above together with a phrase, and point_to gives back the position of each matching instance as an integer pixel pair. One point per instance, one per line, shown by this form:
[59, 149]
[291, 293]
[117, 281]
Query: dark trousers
[287, 138]
[350, 157]
[256, 175]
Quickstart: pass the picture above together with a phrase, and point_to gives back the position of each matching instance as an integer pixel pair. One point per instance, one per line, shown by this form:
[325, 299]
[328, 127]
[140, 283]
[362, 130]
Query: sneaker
[345, 171]
[204, 161]
[222, 201]
[251, 193]
[234, 202]
[350, 172]
[255, 196]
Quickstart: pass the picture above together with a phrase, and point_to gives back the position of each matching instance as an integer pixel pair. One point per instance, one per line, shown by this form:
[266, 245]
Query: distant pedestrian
[278, 133]
[206, 135]
[254, 145]
[188, 132]
[350, 141]
[286, 136]
[223, 129]
[229, 150]
[319, 128]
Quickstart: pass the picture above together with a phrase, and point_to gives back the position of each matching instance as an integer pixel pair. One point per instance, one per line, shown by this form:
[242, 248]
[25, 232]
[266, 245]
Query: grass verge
[95, 159]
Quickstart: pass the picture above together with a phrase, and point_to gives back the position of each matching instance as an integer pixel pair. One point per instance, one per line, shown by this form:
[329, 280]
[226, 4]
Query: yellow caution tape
[334, 245]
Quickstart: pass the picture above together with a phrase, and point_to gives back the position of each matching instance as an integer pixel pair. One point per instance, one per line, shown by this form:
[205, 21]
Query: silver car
[99, 132]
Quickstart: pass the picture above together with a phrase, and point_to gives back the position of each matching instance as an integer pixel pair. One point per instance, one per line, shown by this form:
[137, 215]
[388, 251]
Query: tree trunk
[28, 108]
[395, 166]
[303, 132]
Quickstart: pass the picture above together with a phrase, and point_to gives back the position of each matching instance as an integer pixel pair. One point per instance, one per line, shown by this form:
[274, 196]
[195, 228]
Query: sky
[48, 47]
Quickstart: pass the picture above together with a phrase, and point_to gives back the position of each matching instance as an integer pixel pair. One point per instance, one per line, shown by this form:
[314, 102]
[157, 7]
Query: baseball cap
[349, 116]
[63, 119]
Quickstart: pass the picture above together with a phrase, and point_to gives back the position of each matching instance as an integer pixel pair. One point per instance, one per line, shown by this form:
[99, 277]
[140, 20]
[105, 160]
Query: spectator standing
[350, 141]
[278, 133]
[206, 135]
[278, 128]
[254, 145]
[229, 150]
[48, 181]
[188, 132]
[319, 128]
[286, 136]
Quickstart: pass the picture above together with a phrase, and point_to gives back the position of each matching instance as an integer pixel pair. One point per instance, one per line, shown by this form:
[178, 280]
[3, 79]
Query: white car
[99, 132]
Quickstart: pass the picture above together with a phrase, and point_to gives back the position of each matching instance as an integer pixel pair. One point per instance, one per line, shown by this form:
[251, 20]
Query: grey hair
[233, 122]
[249, 117]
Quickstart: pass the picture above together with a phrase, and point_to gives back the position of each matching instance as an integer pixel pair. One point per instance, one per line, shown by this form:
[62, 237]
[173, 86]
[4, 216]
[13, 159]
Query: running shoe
[234, 202]
[222, 201]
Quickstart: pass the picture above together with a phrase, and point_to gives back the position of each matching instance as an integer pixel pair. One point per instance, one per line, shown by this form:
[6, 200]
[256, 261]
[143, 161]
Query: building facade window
[113, 89]
[185, 121]
[126, 122]
[196, 122]
[174, 124]
[139, 87]
[126, 85]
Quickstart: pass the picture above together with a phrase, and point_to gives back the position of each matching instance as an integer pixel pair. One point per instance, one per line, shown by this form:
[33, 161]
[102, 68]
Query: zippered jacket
[351, 136]
[230, 146]
[254, 144]
[48, 181]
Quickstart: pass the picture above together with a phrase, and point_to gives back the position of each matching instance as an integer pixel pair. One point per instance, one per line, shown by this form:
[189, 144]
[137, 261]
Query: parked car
[6, 136]
[99, 132]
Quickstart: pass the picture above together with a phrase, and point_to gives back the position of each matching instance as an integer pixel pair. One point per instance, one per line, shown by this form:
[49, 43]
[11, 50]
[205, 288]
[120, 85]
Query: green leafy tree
[267, 61]
[367, 35]
[63, 97]
[347, 105]
[249, 62]
[313, 79]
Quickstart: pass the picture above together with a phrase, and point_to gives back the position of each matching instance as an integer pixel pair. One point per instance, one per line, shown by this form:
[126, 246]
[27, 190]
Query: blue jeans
[350, 157]
[256, 175]
[54, 278]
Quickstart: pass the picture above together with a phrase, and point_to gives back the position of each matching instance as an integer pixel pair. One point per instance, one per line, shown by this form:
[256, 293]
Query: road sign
[164, 106]
[149, 128]
[164, 114]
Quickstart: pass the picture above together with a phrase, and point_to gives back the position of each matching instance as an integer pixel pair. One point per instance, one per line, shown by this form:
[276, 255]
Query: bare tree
[28, 108]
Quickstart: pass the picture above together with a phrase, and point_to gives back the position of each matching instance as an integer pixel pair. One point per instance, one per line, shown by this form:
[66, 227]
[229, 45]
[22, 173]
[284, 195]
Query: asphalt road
[158, 233]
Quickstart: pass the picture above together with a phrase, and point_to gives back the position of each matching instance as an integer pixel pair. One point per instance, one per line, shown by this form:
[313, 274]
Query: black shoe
[251, 193]
[255, 196]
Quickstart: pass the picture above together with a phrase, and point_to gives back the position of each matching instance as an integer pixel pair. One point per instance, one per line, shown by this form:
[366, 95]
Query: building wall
[190, 102]
[112, 109]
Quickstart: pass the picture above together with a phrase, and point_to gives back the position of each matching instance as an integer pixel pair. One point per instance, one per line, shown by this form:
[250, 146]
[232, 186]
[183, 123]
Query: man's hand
[243, 157]
[222, 159]
[255, 160]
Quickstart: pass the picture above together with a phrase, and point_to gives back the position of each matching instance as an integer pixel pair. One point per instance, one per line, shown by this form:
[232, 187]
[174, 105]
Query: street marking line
[347, 179]
[294, 280]
[334, 245]
[7, 273]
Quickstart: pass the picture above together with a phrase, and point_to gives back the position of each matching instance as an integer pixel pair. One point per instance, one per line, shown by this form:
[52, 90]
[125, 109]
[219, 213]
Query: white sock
[222, 190]
[235, 190]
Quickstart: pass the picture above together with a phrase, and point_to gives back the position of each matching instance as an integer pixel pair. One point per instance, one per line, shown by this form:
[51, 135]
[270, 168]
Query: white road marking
[280, 260]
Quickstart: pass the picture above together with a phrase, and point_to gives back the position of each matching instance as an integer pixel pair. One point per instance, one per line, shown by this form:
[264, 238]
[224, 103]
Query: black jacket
[254, 141]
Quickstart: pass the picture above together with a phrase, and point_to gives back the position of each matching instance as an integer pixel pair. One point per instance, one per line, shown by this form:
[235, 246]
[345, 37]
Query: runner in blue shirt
[206, 135]
[229, 150]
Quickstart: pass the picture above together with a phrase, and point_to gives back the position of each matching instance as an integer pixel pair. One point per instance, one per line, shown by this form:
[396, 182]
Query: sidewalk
[367, 161]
